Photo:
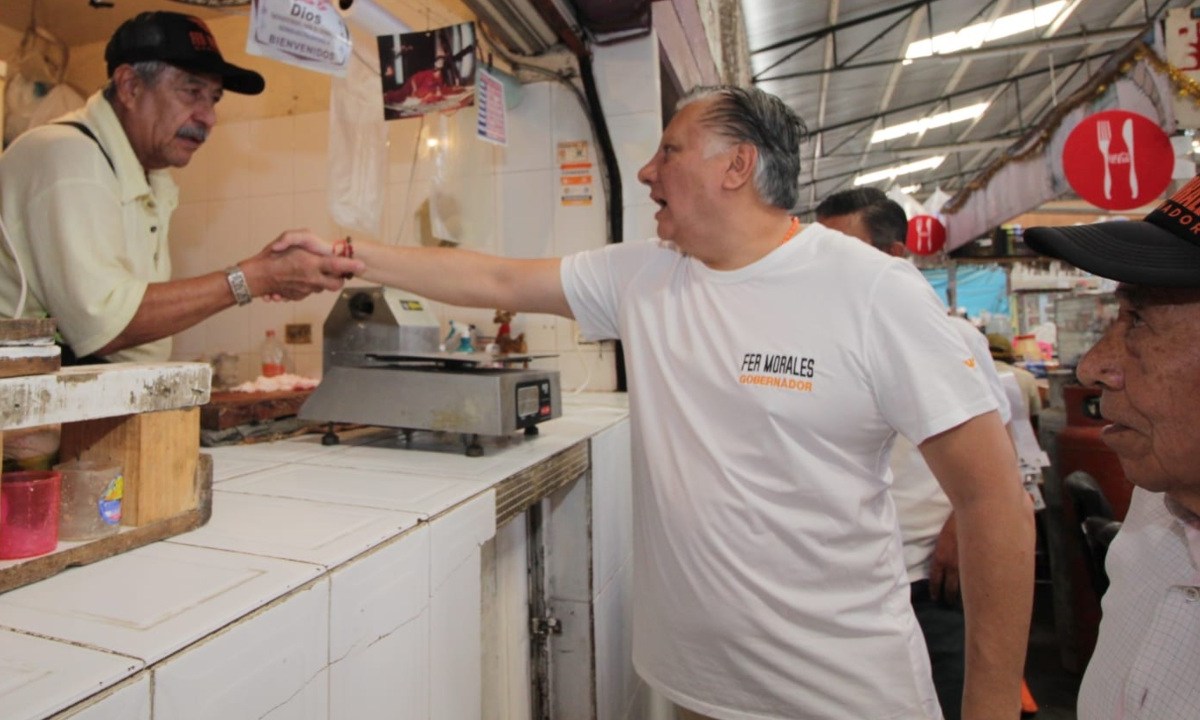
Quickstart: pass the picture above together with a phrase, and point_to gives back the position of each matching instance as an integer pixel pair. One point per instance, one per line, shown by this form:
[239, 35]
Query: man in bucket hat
[87, 203]
[1147, 364]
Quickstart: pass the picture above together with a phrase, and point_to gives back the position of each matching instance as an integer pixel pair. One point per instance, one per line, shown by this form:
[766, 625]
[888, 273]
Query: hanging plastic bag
[41, 57]
[357, 147]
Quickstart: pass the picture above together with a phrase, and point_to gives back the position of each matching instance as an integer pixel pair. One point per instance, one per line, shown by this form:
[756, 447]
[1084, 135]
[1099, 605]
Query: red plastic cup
[28, 513]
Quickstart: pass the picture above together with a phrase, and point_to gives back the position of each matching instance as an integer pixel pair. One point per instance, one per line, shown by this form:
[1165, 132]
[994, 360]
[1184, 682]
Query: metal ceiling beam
[833, 28]
[822, 103]
[1121, 34]
[840, 63]
[973, 89]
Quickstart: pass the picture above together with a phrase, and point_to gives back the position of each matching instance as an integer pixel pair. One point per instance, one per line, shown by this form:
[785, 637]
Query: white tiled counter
[331, 582]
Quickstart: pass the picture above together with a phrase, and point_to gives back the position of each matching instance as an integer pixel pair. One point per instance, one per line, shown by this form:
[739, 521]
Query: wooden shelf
[143, 416]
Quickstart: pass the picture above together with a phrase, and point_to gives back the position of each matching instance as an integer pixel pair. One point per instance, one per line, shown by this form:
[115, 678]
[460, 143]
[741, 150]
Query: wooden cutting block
[230, 409]
[27, 347]
[158, 452]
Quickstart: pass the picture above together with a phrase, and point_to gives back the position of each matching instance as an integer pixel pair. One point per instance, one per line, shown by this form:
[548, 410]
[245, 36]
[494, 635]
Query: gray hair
[753, 116]
[148, 70]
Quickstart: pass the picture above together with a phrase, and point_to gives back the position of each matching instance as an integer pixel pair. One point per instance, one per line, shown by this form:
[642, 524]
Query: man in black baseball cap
[1162, 250]
[1147, 366]
[88, 202]
[180, 40]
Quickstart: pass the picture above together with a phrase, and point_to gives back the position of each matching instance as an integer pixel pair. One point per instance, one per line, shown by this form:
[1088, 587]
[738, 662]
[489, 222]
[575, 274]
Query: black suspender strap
[88, 131]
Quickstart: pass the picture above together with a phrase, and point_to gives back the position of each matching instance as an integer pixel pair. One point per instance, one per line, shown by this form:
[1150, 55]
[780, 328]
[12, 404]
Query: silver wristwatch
[237, 283]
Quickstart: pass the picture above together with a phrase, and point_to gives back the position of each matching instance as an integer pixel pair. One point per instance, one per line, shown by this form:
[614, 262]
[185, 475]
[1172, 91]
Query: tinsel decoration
[1036, 141]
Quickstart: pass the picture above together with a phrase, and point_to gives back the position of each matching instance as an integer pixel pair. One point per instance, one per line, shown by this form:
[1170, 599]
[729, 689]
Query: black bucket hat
[180, 40]
[1161, 250]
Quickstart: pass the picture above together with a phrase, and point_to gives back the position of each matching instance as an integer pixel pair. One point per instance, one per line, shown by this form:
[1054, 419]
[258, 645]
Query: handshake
[297, 264]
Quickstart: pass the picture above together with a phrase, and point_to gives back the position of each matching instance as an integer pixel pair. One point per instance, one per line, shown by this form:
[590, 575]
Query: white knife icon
[1127, 134]
[1103, 141]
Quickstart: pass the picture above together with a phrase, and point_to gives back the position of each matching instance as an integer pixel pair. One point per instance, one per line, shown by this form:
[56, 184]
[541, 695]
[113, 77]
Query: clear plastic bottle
[272, 356]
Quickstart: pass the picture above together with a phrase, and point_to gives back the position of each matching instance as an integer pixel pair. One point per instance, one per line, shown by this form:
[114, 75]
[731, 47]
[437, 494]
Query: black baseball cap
[180, 40]
[1161, 250]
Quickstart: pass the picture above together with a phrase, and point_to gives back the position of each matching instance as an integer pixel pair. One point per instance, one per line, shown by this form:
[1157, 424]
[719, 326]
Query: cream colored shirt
[90, 240]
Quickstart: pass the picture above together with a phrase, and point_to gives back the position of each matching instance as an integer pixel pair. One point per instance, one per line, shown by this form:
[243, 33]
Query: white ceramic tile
[321, 533]
[386, 490]
[542, 332]
[227, 466]
[311, 703]
[616, 681]
[229, 331]
[271, 215]
[589, 368]
[456, 536]
[153, 601]
[583, 227]
[529, 145]
[251, 667]
[195, 180]
[190, 254]
[388, 678]
[228, 236]
[612, 504]
[311, 210]
[429, 454]
[230, 146]
[526, 209]
[635, 140]
[455, 683]
[616, 64]
[299, 449]
[130, 700]
[311, 160]
[271, 161]
[39, 676]
[374, 595]
[570, 121]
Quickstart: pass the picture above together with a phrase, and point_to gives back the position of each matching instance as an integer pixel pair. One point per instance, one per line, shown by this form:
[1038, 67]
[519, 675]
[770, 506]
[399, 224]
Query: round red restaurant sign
[1118, 160]
[926, 235]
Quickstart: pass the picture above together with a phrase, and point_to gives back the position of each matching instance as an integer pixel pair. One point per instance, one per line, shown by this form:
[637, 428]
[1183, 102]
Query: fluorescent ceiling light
[896, 170]
[973, 36]
[910, 189]
[933, 121]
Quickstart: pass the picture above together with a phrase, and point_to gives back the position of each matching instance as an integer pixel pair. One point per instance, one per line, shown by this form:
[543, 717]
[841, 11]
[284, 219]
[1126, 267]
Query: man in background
[87, 203]
[1146, 665]
[1002, 353]
[926, 517]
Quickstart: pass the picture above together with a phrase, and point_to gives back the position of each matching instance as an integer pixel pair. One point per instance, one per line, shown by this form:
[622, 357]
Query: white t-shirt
[1146, 665]
[768, 577]
[921, 506]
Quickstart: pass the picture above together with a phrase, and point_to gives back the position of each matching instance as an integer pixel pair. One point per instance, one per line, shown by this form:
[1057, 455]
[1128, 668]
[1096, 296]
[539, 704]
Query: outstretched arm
[170, 307]
[458, 277]
[977, 468]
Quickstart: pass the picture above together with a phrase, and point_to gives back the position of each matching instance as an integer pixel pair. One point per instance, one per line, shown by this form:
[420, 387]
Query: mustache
[193, 132]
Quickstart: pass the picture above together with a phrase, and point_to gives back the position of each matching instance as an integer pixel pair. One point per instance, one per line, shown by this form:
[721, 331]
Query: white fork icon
[1103, 139]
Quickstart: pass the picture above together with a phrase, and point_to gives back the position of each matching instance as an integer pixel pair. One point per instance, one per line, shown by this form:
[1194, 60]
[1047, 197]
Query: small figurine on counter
[506, 344]
[464, 333]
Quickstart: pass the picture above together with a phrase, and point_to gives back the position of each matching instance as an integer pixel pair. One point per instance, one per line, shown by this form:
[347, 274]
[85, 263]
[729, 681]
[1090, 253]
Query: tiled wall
[255, 178]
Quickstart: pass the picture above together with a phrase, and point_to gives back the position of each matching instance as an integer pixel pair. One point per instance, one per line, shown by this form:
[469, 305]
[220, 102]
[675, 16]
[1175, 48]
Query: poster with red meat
[428, 71]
